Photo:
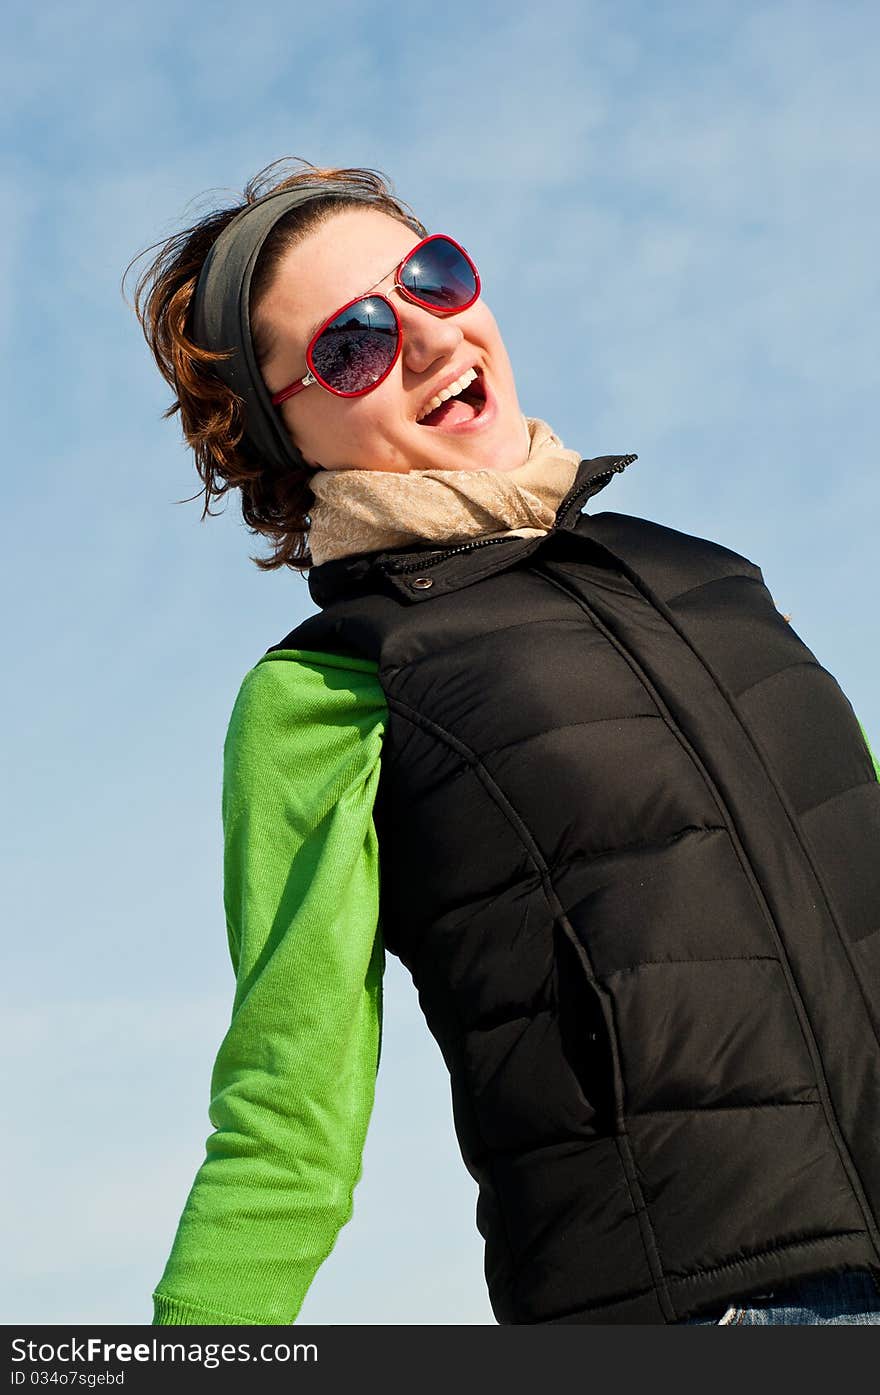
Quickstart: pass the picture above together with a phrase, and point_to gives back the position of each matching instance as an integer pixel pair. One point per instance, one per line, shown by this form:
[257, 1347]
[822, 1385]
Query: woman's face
[342, 259]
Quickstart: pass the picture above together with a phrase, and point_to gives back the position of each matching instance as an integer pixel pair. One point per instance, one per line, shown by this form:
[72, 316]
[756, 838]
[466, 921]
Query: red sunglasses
[354, 350]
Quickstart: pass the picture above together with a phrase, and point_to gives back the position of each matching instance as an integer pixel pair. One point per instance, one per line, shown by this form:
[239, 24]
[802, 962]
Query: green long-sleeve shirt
[293, 1084]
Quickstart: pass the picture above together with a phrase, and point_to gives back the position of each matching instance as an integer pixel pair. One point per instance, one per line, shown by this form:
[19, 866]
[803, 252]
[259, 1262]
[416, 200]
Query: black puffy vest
[629, 838]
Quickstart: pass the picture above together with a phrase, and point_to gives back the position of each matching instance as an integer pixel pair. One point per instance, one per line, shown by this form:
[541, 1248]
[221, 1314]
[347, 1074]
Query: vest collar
[418, 573]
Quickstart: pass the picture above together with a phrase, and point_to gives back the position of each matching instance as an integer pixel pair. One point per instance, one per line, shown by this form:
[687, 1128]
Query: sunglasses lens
[440, 275]
[357, 348]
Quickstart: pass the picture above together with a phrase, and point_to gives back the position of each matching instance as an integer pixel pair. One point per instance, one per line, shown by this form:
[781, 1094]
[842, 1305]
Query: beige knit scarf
[371, 510]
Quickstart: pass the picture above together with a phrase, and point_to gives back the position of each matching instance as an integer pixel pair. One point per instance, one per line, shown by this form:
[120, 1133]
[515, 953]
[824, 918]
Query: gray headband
[221, 317]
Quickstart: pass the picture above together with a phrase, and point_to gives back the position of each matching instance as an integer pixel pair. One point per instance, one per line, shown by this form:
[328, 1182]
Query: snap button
[421, 583]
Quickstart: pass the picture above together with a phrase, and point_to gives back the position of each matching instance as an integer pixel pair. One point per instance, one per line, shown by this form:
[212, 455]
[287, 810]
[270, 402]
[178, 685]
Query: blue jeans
[853, 1297]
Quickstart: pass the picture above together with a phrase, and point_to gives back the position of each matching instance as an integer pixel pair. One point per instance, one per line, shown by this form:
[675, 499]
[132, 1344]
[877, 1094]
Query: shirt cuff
[169, 1312]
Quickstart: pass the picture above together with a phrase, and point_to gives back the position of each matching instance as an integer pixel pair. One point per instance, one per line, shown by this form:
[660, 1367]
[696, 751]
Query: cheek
[374, 414]
[338, 433]
[483, 322]
[317, 423]
[485, 331]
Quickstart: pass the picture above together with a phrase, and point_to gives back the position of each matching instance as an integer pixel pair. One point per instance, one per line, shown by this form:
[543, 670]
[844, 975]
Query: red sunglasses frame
[313, 376]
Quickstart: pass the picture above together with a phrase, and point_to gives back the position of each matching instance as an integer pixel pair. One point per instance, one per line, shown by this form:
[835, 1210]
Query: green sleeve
[871, 754]
[293, 1083]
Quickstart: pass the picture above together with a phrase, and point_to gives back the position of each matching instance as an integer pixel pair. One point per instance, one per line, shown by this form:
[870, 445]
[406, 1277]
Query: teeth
[445, 393]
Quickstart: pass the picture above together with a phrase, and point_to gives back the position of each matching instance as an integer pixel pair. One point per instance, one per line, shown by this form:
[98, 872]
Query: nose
[426, 337]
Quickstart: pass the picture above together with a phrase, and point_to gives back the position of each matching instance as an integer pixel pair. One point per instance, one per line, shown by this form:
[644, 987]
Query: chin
[509, 450]
[503, 445]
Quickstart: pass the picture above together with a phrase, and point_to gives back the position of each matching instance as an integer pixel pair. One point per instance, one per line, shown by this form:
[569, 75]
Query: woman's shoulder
[305, 695]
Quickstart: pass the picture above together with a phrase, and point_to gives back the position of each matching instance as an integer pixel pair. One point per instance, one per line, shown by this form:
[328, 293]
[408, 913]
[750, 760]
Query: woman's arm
[293, 1084]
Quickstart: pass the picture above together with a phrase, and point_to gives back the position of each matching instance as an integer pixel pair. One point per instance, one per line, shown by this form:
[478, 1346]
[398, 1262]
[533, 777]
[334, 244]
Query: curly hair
[275, 502]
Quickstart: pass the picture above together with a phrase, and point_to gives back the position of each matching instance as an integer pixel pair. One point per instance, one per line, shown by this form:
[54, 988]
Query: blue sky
[675, 211]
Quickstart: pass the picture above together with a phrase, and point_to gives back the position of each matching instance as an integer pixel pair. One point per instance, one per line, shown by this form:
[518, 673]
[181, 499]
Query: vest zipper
[441, 556]
[615, 468]
[592, 484]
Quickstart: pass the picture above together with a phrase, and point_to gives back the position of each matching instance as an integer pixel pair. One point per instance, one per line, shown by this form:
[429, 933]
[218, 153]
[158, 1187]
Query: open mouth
[465, 407]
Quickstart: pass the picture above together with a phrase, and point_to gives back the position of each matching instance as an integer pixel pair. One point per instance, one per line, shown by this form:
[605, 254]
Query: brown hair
[274, 502]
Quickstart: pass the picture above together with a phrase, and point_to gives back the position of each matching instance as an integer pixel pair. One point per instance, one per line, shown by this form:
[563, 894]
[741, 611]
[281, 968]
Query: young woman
[573, 768]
